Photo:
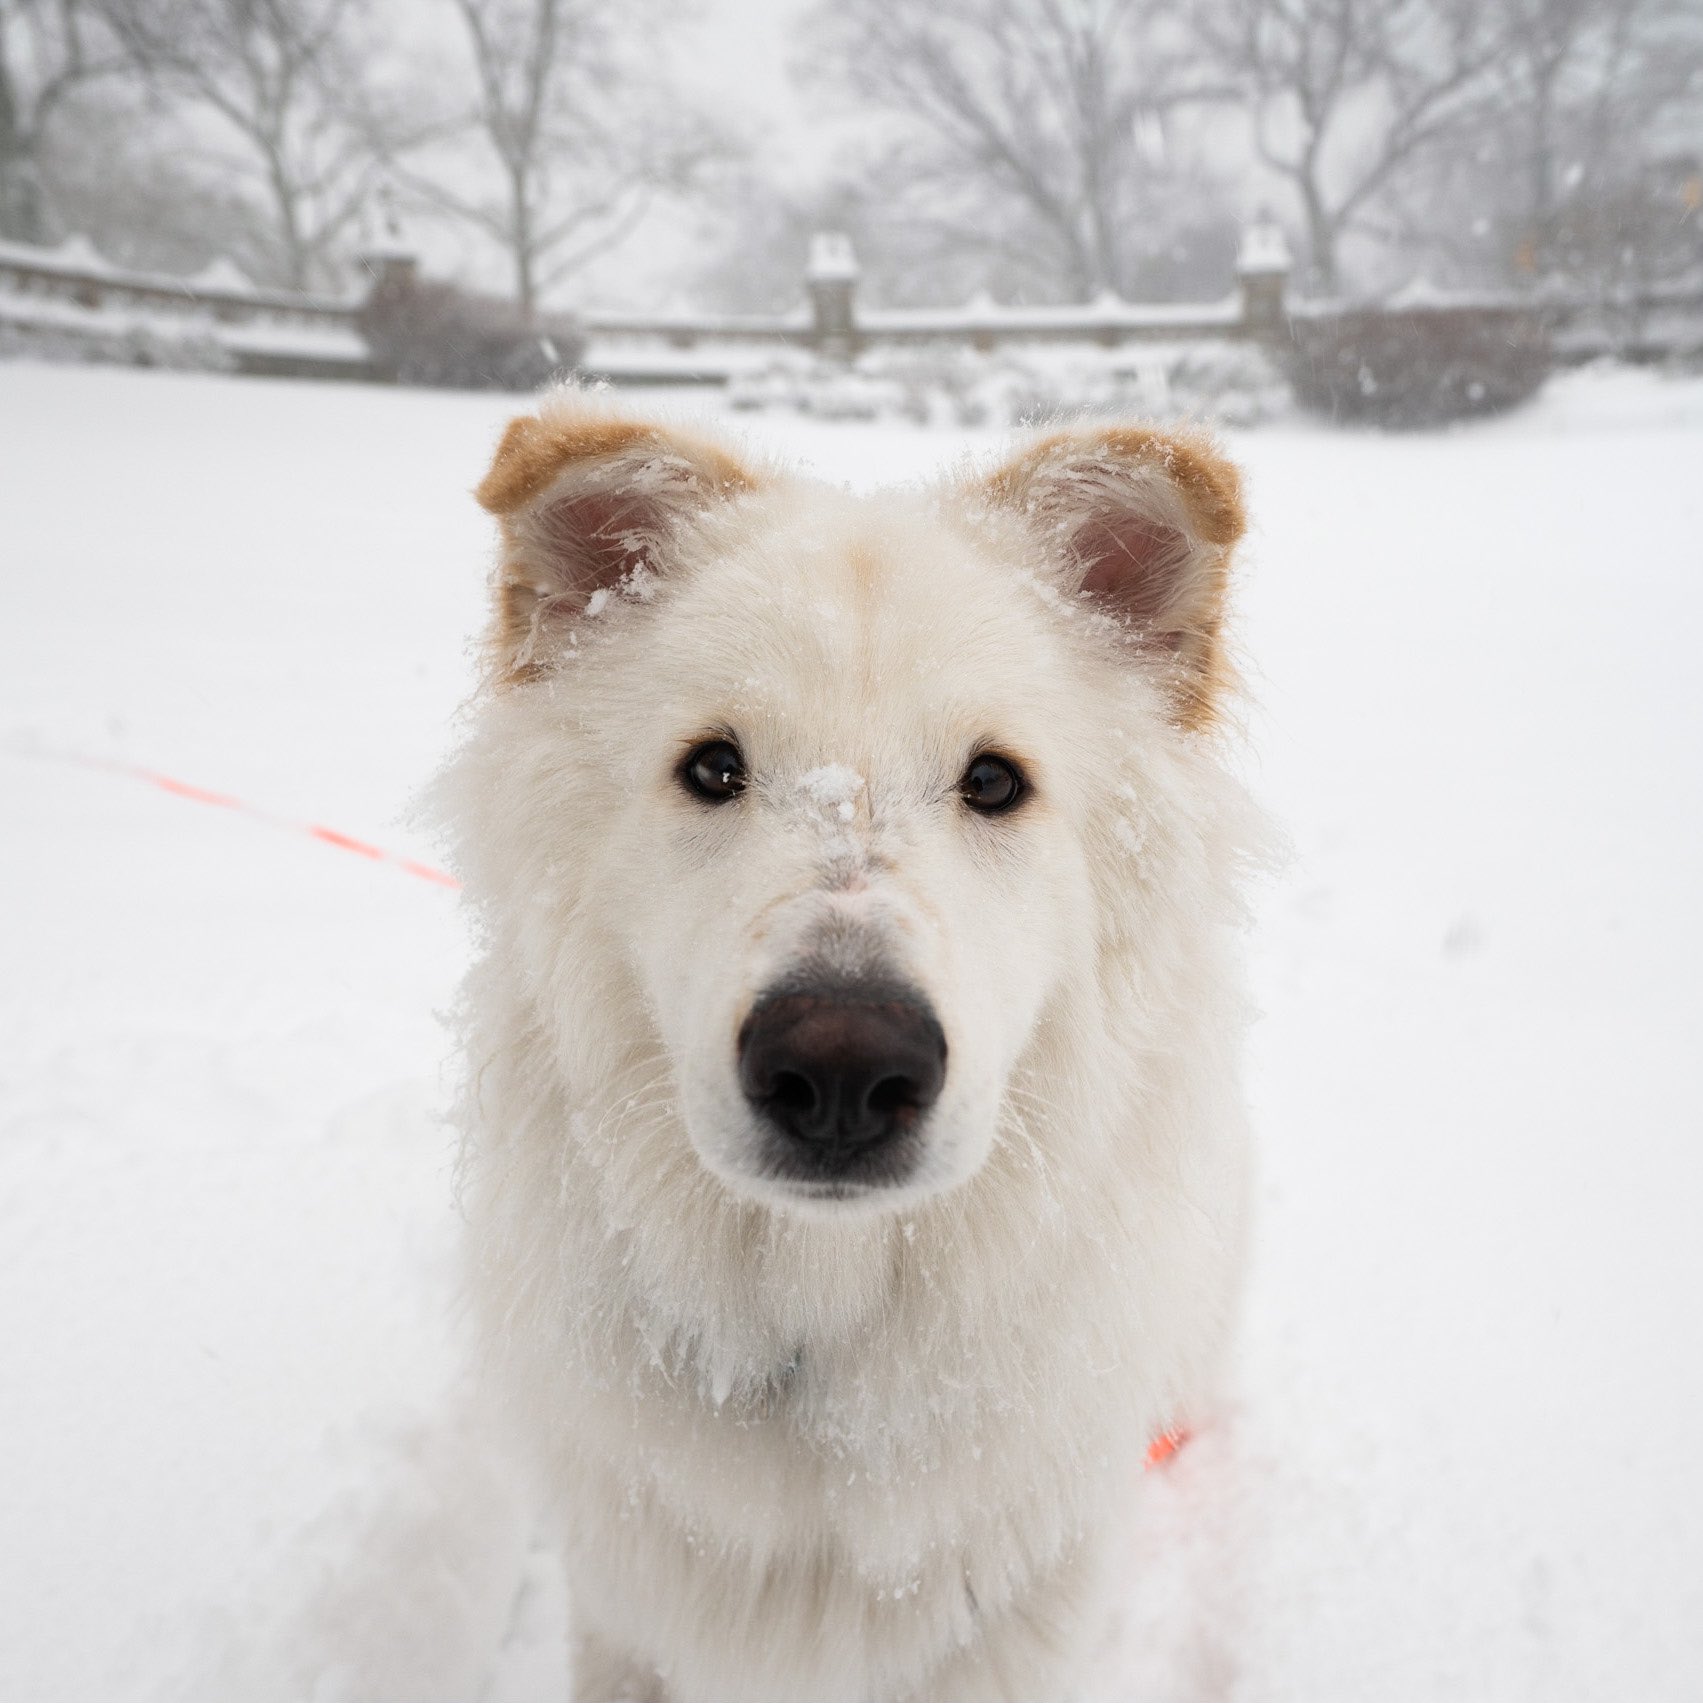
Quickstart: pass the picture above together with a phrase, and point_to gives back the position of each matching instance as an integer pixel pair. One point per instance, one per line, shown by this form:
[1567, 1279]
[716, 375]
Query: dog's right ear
[587, 502]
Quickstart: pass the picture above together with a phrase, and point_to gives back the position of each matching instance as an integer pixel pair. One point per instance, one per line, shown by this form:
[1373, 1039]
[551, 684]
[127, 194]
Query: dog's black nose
[843, 1069]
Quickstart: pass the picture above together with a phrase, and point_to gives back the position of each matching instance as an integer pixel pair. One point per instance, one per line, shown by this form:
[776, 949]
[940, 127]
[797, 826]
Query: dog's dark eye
[991, 784]
[714, 771]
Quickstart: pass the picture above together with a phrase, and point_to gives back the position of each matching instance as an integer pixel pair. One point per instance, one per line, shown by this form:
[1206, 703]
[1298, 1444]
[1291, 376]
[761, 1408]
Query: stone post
[387, 255]
[831, 278]
[393, 273]
[1263, 265]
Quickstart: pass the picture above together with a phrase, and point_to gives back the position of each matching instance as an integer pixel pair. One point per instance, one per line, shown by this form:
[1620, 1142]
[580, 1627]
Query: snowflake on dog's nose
[833, 788]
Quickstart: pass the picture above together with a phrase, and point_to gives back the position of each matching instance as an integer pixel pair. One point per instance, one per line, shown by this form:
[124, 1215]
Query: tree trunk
[297, 256]
[1321, 239]
[1100, 162]
[23, 205]
[1540, 231]
[1103, 229]
[520, 223]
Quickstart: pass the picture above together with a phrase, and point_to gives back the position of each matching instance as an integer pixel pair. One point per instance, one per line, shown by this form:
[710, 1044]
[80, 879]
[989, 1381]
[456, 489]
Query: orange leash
[1162, 1448]
[225, 801]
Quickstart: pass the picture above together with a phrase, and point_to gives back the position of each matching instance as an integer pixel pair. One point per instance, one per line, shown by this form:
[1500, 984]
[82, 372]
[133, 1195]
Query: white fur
[868, 1451]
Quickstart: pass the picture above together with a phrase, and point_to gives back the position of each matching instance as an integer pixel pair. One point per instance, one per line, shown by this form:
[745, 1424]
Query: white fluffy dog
[854, 1161]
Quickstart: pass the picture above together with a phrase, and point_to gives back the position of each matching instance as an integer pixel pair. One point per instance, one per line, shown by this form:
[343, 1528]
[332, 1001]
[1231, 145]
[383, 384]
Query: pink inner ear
[594, 537]
[1133, 566]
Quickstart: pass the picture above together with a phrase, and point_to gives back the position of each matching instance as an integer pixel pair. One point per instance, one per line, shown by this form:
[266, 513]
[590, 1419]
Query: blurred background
[1397, 209]
[273, 276]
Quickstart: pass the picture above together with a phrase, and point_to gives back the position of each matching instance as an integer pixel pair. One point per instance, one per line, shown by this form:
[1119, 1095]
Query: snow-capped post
[390, 306]
[830, 275]
[1263, 264]
[387, 255]
[392, 271]
[392, 266]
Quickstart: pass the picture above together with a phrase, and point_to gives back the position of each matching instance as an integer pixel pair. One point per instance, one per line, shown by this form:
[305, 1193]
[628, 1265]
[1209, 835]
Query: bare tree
[135, 181]
[1580, 164]
[1582, 88]
[572, 143]
[1344, 95]
[281, 79]
[1035, 127]
[49, 49]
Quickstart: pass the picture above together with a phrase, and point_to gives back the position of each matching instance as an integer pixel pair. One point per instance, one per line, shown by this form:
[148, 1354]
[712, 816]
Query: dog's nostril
[894, 1094]
[793, 1092]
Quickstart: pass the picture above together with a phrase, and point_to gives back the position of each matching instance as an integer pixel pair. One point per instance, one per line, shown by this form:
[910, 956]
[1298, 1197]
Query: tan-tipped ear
[1143, 522]
[587, 501]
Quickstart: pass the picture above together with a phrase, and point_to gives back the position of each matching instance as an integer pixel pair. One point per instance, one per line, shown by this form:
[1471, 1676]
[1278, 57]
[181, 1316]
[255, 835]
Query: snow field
[237, 1455]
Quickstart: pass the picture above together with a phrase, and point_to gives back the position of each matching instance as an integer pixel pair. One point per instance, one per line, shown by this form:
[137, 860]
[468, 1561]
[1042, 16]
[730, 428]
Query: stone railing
[219, 318]
[70, 296]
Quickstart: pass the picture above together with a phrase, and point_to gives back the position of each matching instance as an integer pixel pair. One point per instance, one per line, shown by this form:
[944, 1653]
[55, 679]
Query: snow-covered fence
[70, 299]
[1258, 313]
[1424, 356]
[831, 323]
[72, 302]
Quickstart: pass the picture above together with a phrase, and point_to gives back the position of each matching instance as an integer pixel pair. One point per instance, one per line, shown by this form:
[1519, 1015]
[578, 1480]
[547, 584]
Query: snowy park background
[238, 1460]
[241, 1457]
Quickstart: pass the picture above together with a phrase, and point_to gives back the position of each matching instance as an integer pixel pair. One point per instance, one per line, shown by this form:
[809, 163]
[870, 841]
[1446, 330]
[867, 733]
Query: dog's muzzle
[843, 1074]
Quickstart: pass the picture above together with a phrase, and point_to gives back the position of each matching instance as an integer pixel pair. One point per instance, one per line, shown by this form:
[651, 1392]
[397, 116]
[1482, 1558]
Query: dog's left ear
[588, 501]
[1143, 523]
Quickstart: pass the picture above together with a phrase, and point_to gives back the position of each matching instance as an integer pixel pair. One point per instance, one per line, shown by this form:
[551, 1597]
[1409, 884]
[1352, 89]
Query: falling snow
[240, 1456]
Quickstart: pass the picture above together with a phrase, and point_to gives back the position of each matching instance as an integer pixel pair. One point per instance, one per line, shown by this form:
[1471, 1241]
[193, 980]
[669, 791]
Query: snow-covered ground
[236, 1460]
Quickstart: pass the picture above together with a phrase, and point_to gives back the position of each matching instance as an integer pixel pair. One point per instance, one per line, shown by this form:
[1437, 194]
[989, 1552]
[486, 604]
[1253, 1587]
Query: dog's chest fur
[928, 1416]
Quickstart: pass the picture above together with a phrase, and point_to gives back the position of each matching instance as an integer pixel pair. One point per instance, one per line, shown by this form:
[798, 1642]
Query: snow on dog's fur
[830, 1418]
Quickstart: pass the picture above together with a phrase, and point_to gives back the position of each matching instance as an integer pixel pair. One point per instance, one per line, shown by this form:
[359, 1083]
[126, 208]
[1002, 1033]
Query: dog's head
[824, 792]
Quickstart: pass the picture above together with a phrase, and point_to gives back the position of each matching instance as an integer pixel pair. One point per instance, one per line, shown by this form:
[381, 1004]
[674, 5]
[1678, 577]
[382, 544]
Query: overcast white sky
[740, 49]
[736, 55]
